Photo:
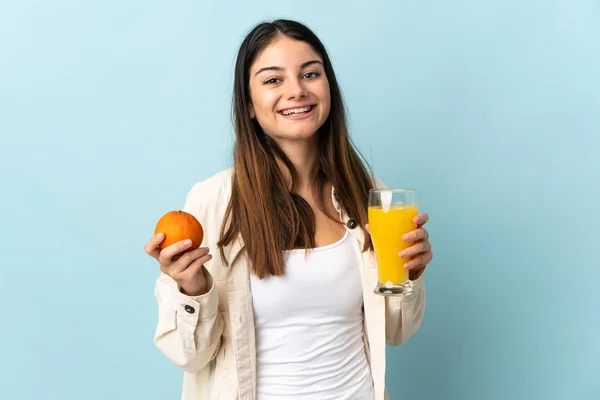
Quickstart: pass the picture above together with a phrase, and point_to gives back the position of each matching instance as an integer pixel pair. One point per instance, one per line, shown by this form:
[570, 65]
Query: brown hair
[270, 217]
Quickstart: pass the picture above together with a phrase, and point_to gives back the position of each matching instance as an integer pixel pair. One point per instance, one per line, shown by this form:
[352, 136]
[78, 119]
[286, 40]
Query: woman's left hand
[420, 252]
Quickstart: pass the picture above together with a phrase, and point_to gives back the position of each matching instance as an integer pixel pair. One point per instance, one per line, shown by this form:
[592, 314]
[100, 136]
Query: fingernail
[187, 242]
[402, 254]
[159, 235]
[406, 238]
[407, 266]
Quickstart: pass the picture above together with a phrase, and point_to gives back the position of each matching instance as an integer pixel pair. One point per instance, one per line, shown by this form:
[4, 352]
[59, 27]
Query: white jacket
[211, 337]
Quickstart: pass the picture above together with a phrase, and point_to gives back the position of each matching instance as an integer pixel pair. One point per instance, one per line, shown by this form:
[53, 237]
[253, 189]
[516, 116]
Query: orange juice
[387, 229]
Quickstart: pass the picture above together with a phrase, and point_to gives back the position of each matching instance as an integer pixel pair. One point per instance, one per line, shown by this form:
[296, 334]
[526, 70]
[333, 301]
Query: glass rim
[393, 190]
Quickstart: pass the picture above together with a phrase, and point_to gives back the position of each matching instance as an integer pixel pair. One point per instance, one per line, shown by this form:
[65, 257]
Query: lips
[297, 110]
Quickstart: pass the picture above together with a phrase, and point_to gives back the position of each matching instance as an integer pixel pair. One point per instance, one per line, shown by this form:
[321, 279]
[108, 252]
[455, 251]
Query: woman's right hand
[185, 267]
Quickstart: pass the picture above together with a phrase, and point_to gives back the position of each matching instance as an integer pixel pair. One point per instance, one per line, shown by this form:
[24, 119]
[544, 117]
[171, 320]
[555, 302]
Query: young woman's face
[289, 90]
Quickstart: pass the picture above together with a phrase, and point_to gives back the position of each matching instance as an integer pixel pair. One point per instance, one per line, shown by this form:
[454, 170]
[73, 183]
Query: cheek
[264, 102]
[326, 101]
[325, 96]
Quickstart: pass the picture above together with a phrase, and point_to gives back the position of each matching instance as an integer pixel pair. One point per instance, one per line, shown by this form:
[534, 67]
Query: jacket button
[189, 309]
[352, 224]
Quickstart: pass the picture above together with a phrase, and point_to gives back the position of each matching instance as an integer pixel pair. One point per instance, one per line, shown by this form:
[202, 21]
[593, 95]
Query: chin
[301, 132]
[299, 135]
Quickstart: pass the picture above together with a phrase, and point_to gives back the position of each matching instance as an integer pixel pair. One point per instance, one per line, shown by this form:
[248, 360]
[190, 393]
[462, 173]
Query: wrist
[193, 293]
[415, 274]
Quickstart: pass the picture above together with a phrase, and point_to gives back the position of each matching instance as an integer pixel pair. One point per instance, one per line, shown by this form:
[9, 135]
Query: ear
[252, 113]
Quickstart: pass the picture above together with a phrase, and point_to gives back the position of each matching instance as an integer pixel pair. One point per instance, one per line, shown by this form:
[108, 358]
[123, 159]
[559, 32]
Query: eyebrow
[304, 65]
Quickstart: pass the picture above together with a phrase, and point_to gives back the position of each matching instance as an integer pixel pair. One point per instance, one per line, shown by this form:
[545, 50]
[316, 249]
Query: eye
[311, 75]
[272, 81]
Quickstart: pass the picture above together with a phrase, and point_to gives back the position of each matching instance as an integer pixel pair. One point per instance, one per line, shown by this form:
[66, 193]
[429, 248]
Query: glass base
[393, 289]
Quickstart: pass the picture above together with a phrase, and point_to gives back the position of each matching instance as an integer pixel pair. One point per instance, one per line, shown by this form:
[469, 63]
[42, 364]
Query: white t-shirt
[309, 327]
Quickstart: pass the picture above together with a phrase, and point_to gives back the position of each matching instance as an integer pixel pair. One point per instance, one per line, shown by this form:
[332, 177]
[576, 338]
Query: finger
[421, 219]
[174, 268]
[187, 259]
[419, 234]
[166, 255]
[152, 246]
[419, 261]
[196, 267]
[421, 247]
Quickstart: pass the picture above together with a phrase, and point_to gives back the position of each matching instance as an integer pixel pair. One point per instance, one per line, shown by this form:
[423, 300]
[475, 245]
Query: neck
[304, 157]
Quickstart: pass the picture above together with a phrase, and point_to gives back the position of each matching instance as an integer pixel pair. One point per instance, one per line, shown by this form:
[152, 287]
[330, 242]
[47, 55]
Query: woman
[287, 309]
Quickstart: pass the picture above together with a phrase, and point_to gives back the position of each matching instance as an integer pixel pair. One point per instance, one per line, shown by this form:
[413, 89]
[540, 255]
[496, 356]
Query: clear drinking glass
[391, 214]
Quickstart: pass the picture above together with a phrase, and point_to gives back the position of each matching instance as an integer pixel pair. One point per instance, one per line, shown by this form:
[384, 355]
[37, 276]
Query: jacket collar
[357, 232]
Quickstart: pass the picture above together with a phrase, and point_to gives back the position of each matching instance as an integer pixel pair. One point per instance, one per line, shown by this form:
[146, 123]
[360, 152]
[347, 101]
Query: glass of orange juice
[391, 214]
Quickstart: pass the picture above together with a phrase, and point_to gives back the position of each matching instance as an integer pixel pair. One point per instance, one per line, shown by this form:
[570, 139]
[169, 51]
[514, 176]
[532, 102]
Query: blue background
[111, 110]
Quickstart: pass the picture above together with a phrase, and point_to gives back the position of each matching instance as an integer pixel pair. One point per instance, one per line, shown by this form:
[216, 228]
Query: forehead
[286, 53]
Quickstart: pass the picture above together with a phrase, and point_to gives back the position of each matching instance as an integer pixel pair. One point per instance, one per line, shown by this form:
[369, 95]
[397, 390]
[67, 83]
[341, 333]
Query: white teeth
[296, 110]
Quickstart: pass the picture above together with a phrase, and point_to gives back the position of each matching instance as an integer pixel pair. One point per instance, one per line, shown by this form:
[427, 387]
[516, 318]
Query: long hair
[263, 209]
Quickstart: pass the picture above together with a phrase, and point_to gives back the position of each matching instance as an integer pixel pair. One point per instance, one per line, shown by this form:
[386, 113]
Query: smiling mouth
[297, 111]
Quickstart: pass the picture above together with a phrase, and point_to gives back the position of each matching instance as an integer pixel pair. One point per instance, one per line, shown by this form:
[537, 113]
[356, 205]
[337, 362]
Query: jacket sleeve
[189, 328]
[403, 315]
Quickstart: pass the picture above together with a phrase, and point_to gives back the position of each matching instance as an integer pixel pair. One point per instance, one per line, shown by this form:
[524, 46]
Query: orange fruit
[179, 225]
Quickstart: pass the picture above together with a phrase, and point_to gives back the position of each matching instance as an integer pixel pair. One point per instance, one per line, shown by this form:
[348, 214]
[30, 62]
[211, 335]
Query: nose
[295, 89]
